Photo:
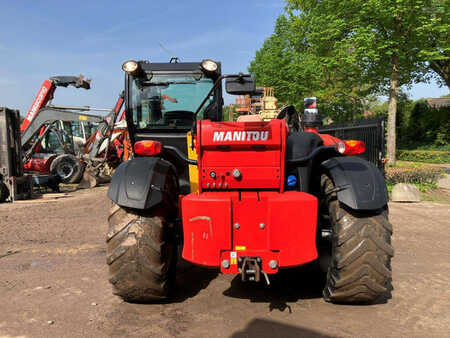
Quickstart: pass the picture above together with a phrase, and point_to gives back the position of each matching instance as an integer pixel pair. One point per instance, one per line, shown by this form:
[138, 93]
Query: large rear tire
[359, 270]
[141, 255]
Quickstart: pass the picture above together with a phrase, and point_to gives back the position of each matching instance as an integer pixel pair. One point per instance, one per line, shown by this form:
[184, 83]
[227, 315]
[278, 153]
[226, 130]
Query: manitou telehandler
[247, 198]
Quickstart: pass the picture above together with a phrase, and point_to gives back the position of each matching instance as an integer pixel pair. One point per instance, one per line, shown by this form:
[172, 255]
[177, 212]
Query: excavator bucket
[88, 181]
[94, 177]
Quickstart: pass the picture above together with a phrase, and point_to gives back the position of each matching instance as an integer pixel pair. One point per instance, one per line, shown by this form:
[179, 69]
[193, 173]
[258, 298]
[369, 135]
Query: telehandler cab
[248, 198]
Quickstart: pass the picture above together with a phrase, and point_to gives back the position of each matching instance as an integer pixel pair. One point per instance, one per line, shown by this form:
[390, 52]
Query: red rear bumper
[271, 226]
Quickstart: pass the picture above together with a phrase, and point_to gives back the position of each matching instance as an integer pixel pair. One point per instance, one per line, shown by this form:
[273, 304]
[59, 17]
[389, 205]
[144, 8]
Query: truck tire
[68, 167]
[140, 254]
[359, 270]
[4, 192]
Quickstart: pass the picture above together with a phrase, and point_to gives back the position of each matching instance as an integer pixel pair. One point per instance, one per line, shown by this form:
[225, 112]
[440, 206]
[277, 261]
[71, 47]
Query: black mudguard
[360, 184]
[139, 183]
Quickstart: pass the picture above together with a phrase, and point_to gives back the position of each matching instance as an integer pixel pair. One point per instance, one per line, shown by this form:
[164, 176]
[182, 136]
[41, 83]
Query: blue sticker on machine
[291, 181]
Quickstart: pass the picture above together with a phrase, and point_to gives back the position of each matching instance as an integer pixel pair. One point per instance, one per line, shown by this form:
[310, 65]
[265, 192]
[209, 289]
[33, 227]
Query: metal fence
[371, 131]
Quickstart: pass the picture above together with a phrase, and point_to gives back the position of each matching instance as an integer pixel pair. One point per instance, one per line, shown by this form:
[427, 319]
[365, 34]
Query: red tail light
[352, 147]
[147, 148]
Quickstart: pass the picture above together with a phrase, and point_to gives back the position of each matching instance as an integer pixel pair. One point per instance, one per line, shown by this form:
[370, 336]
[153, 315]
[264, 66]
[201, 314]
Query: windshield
[76, 129]
[168, 101]
[58, 140]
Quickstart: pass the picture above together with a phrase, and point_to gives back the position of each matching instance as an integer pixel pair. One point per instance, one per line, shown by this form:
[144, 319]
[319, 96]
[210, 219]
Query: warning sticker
[240, 248]
[233, 257]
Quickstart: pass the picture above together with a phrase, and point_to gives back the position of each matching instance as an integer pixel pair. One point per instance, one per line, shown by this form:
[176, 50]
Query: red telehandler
[43, 144]
[48, 140]
[246, 198]
[48, 148]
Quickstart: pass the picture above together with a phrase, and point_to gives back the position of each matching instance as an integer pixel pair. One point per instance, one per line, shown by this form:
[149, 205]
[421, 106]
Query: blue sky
[40, 39]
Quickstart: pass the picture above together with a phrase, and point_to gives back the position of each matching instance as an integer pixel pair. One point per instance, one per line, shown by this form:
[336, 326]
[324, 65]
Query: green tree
[391, 40]
[436, 33]
[228, 112]
[404, 108]
[428, 126]
[348, 50]
[273, 64]
[289, 63]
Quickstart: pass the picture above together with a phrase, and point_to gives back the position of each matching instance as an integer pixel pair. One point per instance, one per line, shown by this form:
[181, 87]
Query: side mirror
[240, 84]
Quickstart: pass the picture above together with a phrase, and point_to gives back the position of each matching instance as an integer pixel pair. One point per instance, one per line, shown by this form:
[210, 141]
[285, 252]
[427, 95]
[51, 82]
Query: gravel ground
[53, 283]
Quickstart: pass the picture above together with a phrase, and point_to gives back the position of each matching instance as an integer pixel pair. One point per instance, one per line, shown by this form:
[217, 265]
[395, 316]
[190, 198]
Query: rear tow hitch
[250, 269]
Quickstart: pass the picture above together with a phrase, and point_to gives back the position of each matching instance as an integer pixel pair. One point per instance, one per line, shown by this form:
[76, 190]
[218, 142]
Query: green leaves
[341, 51]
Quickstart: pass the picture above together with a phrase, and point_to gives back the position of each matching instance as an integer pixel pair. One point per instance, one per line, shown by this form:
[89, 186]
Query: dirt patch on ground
[53, 282]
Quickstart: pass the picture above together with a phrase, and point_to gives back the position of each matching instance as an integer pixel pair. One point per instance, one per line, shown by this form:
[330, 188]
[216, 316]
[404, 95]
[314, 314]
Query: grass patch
[430, 147]
[426, 156]
[423, 187]
[427, 187]
[409, 164]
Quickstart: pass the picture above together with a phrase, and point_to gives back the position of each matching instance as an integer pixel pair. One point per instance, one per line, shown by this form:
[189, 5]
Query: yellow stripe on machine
[193, 169]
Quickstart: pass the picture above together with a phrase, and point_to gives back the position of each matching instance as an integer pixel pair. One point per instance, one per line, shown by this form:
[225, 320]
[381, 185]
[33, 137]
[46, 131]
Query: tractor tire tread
[360, 268]
[138, 256]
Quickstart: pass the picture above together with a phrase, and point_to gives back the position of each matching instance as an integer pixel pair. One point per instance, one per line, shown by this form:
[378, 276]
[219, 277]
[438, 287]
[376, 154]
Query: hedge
[428, 156]
[416, 175]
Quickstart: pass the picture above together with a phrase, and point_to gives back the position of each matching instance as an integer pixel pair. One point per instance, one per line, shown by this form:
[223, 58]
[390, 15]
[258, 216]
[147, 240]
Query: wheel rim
[65, 170]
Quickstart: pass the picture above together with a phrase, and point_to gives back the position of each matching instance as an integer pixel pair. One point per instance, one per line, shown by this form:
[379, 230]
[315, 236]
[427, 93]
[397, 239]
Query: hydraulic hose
[180, 154]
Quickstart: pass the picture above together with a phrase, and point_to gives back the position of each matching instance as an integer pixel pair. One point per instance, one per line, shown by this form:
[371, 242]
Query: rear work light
[130, 66]
[147, 148]
[351, 147]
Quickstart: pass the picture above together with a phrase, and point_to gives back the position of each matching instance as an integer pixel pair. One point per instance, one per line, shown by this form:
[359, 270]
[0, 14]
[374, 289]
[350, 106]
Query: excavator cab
[59, 139]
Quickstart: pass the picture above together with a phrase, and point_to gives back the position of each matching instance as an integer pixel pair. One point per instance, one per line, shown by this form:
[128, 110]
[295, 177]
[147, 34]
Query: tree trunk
[392, 111]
